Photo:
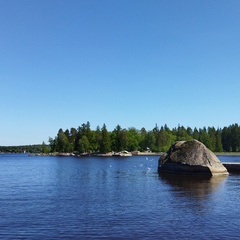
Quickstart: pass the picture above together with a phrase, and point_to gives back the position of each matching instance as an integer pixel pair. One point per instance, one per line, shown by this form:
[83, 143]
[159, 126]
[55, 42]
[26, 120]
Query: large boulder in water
[191, 157]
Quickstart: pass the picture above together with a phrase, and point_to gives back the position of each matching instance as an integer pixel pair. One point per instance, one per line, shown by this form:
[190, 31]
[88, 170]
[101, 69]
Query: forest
[159, 139]
[85, 140]
[37, 148]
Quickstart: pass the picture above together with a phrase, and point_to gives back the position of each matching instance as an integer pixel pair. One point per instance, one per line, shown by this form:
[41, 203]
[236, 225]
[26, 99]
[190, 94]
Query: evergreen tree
[72, 137]
[212, 138]
[83, 145]
[235, 137]
[195, 134]
[143, 134]
[182, 134]
[124, 140]
[226, 139]
[116, 139]
[62, 142]
[204, 137]
[189, 132]
[105, 145]
[52, 144]
[98, 139]
[67, 134]
[218, 147]
[162, 136]
[150, 141]
[156, 133]
[133, 139]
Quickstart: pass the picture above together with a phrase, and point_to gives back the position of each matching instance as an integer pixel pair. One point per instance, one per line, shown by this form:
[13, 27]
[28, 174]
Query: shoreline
[234, 154]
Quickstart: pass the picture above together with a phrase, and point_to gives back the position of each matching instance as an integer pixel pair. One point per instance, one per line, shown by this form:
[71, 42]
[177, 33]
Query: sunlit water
[113, 198]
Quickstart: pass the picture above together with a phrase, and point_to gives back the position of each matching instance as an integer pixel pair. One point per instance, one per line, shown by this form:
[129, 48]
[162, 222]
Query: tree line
[37, 148]
[83, 139]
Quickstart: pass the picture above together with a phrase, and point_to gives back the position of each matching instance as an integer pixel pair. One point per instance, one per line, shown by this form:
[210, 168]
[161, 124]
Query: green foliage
[219, 147]
[45, 148]
[231, 138]
[105, 144]
[195, 134]
[52, 144]
[83, 139]
[62, 142]
[133, 139]
[83, 145]
[150, 141]
[25, 149]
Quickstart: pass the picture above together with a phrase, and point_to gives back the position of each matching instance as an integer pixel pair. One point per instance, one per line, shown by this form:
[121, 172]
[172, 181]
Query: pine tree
[195, 134]
[218, 147]
[105, 146]
[62, 142]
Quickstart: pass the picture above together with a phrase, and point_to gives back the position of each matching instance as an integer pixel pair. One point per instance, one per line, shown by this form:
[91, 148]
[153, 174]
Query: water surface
[106, 198]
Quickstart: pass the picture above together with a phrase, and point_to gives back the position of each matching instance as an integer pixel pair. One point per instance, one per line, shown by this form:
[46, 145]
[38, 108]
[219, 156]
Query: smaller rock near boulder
[191, 157]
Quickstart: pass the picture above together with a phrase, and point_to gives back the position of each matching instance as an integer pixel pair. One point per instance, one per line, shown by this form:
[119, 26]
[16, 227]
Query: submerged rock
[191, 157]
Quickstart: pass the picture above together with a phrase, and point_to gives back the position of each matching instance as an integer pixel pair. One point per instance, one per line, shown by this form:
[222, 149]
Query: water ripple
[69, 198]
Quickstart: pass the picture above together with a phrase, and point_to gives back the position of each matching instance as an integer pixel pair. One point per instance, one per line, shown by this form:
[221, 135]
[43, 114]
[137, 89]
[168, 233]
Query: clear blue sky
[129, 62]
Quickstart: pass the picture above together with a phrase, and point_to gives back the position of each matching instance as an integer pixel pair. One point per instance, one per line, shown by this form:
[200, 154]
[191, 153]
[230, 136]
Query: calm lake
[113, 198]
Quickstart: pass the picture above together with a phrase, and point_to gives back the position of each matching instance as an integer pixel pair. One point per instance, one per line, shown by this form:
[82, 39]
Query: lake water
[113, 198]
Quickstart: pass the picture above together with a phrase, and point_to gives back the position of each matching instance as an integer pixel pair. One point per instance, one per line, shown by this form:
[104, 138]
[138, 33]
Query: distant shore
[227, 154]
[112, 154]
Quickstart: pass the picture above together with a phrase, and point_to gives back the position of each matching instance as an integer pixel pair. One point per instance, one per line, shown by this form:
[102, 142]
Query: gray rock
[191, 157]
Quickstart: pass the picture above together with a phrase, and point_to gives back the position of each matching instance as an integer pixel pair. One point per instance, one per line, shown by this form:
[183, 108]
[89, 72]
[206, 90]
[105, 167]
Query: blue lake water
[113, 198]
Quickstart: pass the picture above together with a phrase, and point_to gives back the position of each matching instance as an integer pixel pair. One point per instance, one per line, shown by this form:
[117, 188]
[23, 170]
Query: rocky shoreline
[110, 154]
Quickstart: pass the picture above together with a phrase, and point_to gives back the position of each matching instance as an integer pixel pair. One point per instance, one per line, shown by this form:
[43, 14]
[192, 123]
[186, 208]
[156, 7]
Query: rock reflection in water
[198, 187]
